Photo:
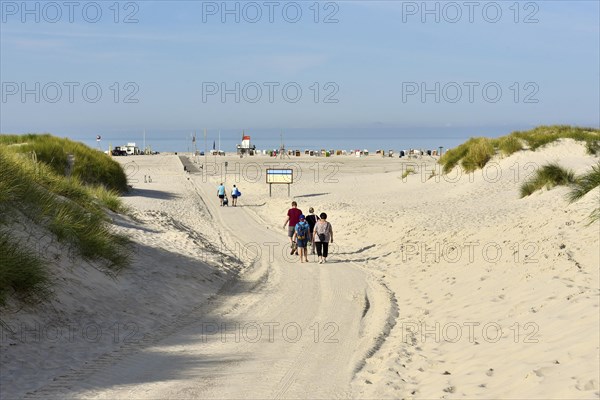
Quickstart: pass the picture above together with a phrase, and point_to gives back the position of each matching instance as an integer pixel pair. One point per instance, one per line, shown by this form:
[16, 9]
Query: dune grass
[549, 175]
[543, 135]
[583, 185]
[471, 155]
[475, 153]
[409, 171]
[509, 144]
[593, 147]
[453, 156]
[73, 211]
[21, 272]
[91, 166]
[478, 154]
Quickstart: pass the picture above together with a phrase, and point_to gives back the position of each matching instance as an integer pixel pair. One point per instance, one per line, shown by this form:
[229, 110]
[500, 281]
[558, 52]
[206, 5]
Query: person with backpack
[301, 232]
[235, 193]
[323, 234]
[312, 219]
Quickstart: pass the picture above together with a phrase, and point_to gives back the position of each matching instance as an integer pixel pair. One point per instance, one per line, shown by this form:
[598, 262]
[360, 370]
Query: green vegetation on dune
[543, 135]
[549, 175]
[471, 155]
[509, 144]
[20, 271]
[453, 156]
[73, 209]
[476, 152]
[409, 171]
[91, 167]
[585, 183]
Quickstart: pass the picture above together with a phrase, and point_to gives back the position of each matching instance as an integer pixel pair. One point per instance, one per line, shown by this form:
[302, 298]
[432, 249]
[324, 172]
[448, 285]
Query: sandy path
[285, 330]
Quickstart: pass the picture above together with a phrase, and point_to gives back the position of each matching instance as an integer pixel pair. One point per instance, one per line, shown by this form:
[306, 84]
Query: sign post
[279, 176]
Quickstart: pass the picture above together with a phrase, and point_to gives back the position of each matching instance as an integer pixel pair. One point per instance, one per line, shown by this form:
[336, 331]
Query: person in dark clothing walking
[323, 234]
[312, 219]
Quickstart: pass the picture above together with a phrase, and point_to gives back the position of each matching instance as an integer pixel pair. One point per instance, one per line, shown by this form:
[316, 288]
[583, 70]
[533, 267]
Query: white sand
[518, 320]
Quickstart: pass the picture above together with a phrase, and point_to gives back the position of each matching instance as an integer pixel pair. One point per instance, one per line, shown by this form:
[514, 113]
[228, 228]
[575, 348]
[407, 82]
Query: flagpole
[205, 149]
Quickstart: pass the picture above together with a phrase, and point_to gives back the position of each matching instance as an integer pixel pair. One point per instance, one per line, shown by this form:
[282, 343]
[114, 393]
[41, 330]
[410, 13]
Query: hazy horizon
[298, 138]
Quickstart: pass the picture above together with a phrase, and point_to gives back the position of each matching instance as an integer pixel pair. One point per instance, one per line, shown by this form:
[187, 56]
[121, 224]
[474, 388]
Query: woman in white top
[323, 235]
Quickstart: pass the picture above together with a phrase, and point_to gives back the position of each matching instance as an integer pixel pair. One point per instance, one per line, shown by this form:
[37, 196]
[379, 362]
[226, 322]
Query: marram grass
[91, 166]
[549, 176]
[584, 184]
[21, 272]
[72, 209]
[475, 153]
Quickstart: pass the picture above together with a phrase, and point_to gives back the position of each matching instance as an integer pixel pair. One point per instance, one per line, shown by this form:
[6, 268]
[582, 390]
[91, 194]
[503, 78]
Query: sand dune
[438, 287]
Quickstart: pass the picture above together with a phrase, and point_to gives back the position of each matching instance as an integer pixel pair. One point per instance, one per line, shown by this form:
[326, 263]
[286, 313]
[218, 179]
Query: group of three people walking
[312, 229]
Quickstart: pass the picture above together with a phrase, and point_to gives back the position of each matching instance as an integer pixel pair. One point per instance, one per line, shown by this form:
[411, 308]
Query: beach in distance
[439, 284]
[351, 138]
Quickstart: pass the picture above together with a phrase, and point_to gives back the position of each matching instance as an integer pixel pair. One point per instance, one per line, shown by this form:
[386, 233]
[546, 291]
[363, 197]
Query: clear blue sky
[374, 55]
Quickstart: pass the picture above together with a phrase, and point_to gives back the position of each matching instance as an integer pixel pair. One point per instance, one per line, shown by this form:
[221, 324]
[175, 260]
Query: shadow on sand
[312, 195]
[152, 194]
[156, 353]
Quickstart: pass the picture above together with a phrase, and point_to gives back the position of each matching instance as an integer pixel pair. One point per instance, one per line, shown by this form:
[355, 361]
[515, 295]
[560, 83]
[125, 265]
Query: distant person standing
[323, 234]
[293, 217]
[235, 193]
[221, 193]
[312, 219]
[301, 231]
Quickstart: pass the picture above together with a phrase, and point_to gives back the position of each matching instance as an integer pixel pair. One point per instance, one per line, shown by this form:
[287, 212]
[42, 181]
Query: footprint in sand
[592, 384]
[450, 389]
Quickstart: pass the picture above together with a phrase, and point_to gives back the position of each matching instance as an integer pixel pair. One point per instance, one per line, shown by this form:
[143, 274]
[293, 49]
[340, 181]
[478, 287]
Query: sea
[296, 138]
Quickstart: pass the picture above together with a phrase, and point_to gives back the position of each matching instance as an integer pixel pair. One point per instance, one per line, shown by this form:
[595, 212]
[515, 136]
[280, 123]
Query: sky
[107, 67]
